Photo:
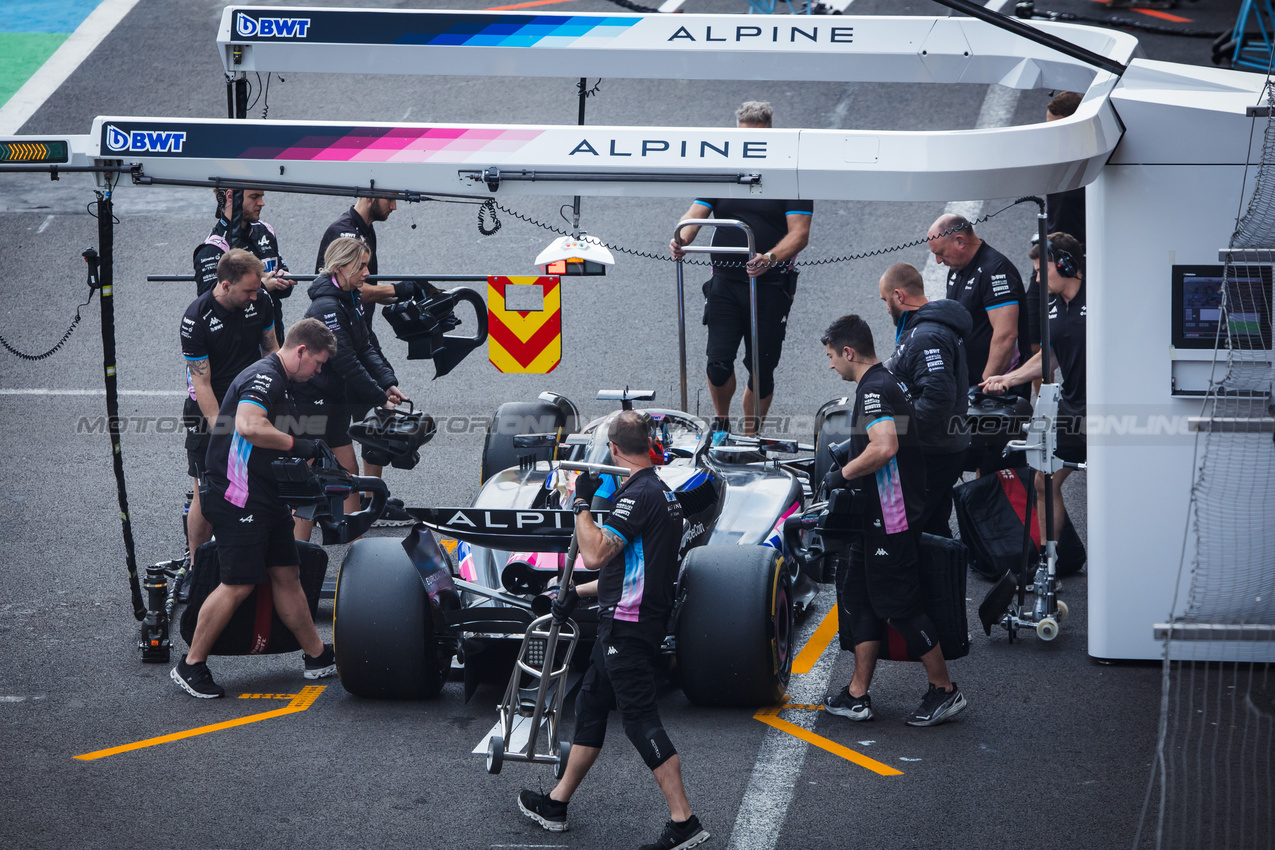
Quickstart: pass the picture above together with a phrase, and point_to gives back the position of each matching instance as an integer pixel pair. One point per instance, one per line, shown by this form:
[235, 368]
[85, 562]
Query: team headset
[1063, 261]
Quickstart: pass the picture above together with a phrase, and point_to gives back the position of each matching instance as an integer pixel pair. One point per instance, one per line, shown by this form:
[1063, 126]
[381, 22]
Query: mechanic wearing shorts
[224, 331]
[781, 230]
[636, 551]
[880, 582]
[1066, 284]
[252, 523]
[358, 378]
[254, 235]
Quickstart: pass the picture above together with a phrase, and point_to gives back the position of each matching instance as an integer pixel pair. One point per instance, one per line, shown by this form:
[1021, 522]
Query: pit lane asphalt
[1054, 746]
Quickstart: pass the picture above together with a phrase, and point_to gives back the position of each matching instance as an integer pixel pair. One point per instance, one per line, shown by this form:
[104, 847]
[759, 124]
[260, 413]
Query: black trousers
[942, 471]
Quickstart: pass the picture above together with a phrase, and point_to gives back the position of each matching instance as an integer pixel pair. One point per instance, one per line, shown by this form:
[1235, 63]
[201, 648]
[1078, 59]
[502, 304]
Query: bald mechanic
[781, 230]
[636, 551]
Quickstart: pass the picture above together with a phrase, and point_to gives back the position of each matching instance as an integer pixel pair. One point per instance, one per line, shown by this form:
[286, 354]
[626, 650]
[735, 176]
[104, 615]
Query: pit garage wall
[1169, 195]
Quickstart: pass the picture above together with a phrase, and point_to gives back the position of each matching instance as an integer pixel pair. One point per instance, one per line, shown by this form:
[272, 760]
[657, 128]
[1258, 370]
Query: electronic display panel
[1200, 308]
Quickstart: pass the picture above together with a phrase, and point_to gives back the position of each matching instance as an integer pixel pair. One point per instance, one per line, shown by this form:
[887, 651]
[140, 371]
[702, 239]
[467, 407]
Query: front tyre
[735, 626]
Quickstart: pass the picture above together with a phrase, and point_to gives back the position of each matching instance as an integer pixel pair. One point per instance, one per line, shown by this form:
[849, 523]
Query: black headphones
[1064, 262]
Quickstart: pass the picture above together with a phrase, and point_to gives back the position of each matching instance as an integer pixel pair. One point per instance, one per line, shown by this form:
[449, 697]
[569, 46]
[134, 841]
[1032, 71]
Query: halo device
[575, 255]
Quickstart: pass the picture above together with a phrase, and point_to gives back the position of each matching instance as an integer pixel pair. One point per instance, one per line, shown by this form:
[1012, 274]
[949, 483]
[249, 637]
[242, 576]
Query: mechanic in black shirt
[929, 358]
[357, 222]
[636, 551]
[880, 582]
[254, 235]
[358, 378]
[781, 230]
[252, 524]
[224, 331]
[1067, 352]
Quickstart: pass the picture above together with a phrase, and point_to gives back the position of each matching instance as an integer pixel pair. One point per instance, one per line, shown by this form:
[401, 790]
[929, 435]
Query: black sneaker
[844, 705]
[938, 707]
[676, 835]
[544, 810]
[394, 515]
[196, 680]
[321, 667]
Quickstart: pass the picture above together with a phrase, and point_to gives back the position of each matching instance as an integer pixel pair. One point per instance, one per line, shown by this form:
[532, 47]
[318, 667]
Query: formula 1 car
[403, 612]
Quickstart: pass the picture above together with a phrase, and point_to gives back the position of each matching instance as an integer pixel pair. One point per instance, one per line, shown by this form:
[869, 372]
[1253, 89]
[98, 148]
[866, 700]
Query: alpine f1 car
[404, 612]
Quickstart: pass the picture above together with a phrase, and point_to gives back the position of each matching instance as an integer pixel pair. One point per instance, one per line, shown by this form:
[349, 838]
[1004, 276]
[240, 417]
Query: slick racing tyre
[735, 626]
[383, 625]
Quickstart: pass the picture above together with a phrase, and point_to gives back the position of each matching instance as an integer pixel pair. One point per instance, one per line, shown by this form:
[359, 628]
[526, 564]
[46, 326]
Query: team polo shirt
[988, 282]
[899, 486]
[1067, 339]
[635, 588]
[238, 471]
[230, 340]
[769, 222]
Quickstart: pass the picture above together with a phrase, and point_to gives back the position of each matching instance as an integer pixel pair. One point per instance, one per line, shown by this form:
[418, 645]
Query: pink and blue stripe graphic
[237, 471]
[400, 144]
[526, 31]
[634, 582]
[890, 492]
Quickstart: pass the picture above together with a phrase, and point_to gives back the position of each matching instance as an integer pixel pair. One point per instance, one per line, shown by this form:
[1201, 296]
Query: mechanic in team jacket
[225, 330]
[880, 581]
[253, 235]
[929, 358]
[1066, 282]
[359, 378]
[253, 525]
[781, 230]
[636, 550]
[358, 222]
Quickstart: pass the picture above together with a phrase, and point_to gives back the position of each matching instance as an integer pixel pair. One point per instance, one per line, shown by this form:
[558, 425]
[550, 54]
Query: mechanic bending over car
[929, 358]
[359, 222]
[880, 581]
[226, 330]
[252, 523]
[254, 235]
[359, 378]
[636, 551]
[781, 230]
[1066, 282]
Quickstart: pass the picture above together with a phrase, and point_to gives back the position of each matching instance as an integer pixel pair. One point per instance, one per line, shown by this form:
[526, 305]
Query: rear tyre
[383, 626]
[511, 419]
[735, 626]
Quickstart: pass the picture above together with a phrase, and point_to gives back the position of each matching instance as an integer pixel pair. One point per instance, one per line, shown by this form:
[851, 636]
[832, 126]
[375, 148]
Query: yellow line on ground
[805, 660]
[300, 702]
[770, 716]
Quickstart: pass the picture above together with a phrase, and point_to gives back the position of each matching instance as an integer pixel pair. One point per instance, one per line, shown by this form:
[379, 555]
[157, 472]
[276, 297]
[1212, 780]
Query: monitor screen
[1199, 307]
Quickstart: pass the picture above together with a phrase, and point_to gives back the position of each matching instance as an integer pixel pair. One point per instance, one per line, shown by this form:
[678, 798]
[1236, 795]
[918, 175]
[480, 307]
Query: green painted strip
[21, 55]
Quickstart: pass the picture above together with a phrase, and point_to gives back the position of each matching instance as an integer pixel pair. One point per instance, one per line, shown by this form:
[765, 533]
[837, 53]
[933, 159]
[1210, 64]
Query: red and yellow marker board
[525, 341]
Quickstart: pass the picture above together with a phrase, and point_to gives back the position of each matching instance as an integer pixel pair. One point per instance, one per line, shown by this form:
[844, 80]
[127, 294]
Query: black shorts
[196, 458]
[728, 315]
[1071, 444]
[250, 542]
[880, 580]
[621, 675]
[329, 422]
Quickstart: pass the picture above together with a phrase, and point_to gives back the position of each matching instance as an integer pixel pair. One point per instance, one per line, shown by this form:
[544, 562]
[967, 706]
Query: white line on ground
[48, 219]
[771, 786]
[54, 72]
[47, 391]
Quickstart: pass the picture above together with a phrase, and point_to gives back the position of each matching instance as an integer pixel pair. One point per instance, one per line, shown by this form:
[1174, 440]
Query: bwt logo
[272, 27]
[144, 141]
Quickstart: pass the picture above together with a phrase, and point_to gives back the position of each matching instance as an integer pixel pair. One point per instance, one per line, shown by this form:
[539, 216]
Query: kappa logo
[145, 141]
[611, 650]
[272, 27]
[247, 518]
[881, 553]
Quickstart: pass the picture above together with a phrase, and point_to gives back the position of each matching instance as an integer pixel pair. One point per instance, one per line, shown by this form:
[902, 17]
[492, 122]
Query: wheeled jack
[545, 658]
